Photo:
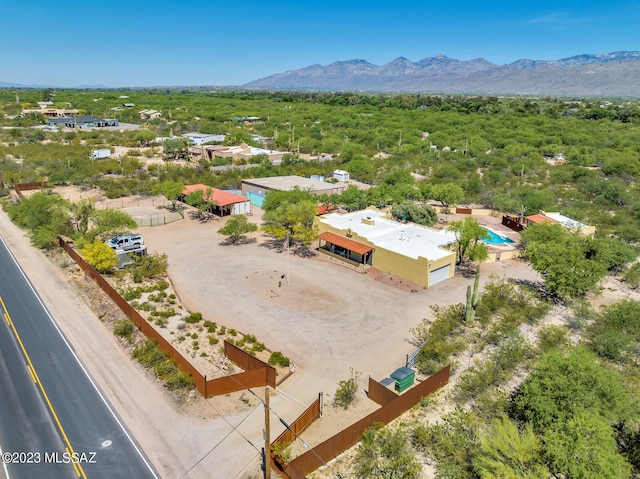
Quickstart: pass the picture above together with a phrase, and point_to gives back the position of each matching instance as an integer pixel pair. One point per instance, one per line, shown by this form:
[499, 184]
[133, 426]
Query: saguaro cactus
[473, 298]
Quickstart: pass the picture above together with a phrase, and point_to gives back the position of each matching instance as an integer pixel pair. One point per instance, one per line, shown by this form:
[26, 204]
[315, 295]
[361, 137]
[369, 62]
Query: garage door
[439, 274]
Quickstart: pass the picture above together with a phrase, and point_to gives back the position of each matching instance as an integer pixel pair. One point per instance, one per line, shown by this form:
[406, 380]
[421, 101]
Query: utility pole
[267, 436]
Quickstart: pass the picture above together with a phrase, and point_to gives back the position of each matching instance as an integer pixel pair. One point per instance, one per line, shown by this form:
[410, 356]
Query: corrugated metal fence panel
[379, 393]
[20, 187]
[332, 447]
[236, 382]
[302, 422]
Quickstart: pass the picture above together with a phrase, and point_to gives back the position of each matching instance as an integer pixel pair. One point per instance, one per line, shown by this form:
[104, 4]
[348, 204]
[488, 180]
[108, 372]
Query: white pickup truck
[126, 242]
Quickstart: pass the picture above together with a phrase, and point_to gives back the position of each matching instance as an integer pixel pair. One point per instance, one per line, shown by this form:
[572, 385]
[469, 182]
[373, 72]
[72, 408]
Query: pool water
[493, 238]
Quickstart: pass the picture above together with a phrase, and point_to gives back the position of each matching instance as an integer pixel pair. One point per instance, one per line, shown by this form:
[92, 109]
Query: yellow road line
[78, 468]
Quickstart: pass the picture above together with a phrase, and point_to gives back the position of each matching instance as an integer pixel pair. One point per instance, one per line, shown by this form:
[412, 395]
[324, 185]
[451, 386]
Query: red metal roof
[219, 197]
[345, 242]
[540, 219]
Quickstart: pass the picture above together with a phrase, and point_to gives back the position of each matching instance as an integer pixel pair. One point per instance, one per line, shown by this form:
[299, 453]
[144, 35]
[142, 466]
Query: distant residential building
[342, 175]
[198, 139]
[247, 120]
[287, 183]
[51, 112]
[241, 152]
[150, 114]
[86, 121]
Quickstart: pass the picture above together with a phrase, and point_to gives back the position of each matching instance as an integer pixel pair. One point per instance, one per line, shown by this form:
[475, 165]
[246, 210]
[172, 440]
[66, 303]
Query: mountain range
[600, 75]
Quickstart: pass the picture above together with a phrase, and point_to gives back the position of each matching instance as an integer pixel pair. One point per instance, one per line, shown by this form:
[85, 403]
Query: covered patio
[345, 248]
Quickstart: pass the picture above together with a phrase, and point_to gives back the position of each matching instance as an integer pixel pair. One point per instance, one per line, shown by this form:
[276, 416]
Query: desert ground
[326, 317]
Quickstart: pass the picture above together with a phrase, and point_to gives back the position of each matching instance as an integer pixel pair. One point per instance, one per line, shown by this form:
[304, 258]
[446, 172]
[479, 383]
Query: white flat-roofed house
[368, 237]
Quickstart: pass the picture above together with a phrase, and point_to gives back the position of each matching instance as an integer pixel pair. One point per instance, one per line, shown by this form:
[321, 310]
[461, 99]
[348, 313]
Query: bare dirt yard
[326, 317]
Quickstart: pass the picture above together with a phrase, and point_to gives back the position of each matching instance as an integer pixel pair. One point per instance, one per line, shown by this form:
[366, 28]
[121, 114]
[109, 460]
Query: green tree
[175, 148]
[144, 137]
[563, 385]
[172, 190]
[107, 222]
[469, 236]
[385, 454]
[584, 447]
[447, 193]
[565, 260]
[290, 214]
[44, 215]
[237, 226]
[100, 255]
[419, 214]
[81, 213]
[507, 452]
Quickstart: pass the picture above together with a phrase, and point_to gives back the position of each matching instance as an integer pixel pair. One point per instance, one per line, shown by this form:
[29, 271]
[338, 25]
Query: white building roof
[285, 183]
[564, 220]
[407, 239]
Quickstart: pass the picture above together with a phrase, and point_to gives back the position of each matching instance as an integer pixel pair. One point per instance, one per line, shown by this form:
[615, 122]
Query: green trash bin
[404, 378]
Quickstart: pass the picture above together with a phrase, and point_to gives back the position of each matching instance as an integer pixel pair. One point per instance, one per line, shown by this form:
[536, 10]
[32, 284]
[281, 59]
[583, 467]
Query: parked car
[126, 242]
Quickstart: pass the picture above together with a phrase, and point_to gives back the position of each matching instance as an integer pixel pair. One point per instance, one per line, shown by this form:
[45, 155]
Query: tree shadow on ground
[240, 240]
[540, 288]
[203, 216]
[467, 270]
[296, 249]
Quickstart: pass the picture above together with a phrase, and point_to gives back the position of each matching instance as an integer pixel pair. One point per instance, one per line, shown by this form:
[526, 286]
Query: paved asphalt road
[54, 422]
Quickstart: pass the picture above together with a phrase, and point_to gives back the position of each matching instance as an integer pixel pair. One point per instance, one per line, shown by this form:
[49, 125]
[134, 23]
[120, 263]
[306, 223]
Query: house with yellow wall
[369, 238]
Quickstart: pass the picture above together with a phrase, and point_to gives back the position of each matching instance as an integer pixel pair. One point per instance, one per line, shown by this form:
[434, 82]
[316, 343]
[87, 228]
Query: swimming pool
[493, 238]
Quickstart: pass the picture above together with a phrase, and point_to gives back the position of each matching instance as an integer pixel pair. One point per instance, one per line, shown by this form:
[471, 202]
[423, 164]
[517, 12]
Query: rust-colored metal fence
[20, 187]
[303, 421]
[332, 447]
[257, 373]
[379, 393]
[512, 222]
[464, 211]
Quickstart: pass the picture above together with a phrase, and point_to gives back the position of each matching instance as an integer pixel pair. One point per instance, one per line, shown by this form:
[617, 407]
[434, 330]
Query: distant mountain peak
[601, 74]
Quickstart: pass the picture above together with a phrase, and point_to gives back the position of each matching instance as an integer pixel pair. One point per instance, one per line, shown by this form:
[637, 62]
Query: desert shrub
[193, 318]
[166, 370]
[250, 338]
[211, 326]
[631, 276]
[213, 340]
[282, 451]
[148, 267]
[167, 313]
[439, 338]
[158, 297]
[131, 292]
[452, 442]
[497, 369]
[278, 359]
[124, 328]
[222, 331]
[257, 347]
[552, 337]
[347, 390]
[232, 332]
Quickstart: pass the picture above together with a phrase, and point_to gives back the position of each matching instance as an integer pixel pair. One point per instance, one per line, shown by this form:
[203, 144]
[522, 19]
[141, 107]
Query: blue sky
[143, 43]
